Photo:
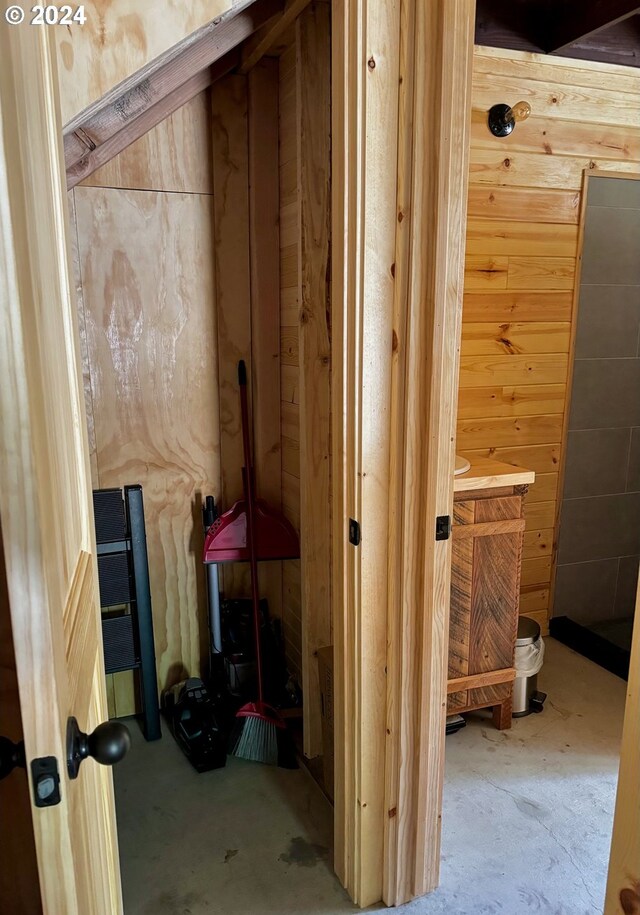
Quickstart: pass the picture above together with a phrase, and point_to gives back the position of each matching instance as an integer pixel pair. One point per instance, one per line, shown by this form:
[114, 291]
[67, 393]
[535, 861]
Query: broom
[259, 725]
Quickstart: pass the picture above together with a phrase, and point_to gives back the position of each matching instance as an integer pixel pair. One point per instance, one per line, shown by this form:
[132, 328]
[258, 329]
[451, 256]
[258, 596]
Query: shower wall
[599, 539]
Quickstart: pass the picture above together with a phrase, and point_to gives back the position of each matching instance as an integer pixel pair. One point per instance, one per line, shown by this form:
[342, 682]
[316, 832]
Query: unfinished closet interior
[204, 243]
[323, 255]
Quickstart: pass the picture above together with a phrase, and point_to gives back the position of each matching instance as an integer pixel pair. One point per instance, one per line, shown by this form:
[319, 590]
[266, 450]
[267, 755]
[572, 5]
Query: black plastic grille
[119, 643]
[113, 575]
[108, 507]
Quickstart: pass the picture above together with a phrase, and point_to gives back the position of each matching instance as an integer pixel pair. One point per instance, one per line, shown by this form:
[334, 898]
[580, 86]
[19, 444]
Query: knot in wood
[371, 63]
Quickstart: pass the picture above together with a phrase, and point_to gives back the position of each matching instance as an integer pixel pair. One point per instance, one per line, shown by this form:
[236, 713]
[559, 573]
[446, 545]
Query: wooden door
[45, 506]
[623, 885]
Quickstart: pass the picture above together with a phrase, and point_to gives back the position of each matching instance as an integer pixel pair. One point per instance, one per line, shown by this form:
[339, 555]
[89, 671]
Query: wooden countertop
[488, 474]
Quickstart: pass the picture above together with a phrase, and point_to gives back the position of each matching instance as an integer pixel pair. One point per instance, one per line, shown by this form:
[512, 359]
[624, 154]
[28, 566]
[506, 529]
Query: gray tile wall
[599, 543]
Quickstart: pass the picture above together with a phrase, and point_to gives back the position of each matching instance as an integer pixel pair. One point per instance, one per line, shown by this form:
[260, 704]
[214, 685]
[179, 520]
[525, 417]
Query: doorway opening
[204, 243]
[596, 573]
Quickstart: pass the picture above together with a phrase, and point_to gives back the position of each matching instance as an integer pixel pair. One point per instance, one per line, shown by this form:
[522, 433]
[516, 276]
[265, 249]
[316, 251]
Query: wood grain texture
[174, 156]
[480, 681]
[539, 458]
[229, 107]
[494, 609]
[553, 136]
[460, 613]
[435, 69]
[363, 206]
[525, 200]
[267, 38]
[477, 371]
[514, 338]
[116, 41]
[624, 863]
[45, 485]
[487, 236]
[19, 882]
[503, 430]
[506, 203]
[511, 400]
[517, 306]
[264, 242]
[538, 544]
[486, 569]
[289, 344]
[313, 119]
[146, 270]
[485, 474]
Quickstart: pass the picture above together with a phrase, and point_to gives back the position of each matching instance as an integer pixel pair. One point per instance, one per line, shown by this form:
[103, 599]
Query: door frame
[400, 147]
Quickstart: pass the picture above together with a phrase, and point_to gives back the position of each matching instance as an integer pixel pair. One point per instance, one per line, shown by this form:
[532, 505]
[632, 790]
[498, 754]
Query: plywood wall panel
[146, 272]
[524, 206]
[119, 38]
[174, 156]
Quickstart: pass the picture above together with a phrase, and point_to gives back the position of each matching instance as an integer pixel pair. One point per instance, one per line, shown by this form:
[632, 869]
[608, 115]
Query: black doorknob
[108, 744]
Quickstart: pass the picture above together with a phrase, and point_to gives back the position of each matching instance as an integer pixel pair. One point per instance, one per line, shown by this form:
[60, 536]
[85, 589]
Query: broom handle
[249, 497]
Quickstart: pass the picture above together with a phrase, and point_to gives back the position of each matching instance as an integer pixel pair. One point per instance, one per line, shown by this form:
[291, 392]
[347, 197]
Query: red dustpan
[273, 536]
[226, 539]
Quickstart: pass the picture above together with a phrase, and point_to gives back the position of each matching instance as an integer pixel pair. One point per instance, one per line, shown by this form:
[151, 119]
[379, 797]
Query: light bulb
[519, 112]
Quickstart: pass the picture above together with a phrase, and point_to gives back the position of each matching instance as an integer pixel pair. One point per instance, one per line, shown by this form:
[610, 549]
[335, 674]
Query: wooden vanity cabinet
[488, 533]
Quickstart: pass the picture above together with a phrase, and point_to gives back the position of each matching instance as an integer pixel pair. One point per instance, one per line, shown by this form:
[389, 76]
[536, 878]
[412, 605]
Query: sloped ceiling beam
[576, 20]
[264, 40]
[140, 102]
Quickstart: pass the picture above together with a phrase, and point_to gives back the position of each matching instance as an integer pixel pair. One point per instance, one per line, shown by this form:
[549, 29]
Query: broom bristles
[255, 739]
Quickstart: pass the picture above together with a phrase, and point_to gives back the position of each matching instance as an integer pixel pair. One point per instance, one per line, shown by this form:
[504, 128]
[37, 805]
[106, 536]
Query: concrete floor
[526, 825]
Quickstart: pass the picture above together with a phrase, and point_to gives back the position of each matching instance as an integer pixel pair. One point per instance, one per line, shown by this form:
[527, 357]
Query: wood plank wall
[289, 347]
[305, 348]
[524, 208]
[143, 234]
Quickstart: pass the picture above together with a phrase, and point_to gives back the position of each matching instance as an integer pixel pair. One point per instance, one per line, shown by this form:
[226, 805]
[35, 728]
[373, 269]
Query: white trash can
[529, 656]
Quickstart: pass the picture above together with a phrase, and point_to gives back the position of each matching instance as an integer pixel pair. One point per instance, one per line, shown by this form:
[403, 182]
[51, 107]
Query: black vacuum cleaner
[193, 720]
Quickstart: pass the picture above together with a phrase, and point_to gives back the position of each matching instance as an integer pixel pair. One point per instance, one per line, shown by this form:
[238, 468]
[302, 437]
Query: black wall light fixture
[503, 119]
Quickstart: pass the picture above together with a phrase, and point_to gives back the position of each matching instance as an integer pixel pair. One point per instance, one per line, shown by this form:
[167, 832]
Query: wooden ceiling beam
[148, 96]
[576, 20]
[150, 118]
[264, 40]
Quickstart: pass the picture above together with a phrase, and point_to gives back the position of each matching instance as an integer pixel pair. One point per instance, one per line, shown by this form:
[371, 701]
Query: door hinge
[443, 527]
[354, 532]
